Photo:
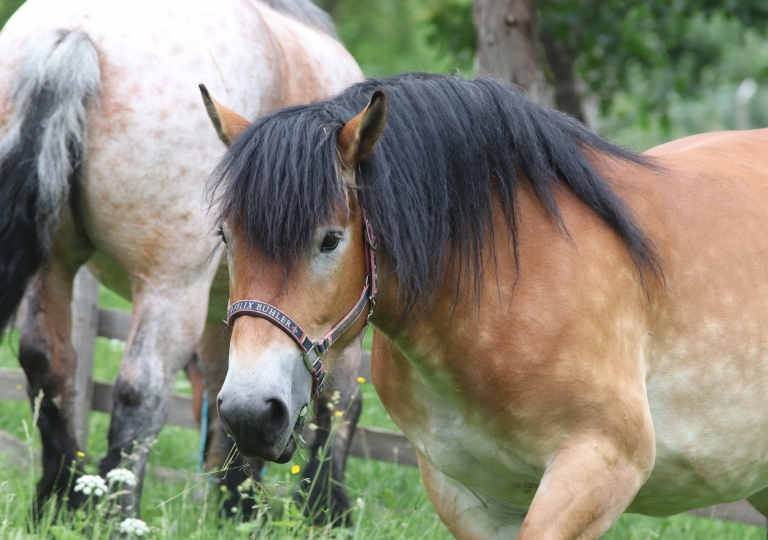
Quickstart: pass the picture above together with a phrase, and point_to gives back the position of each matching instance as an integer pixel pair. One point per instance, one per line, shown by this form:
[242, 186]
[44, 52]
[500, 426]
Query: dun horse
[95, 165]
[567, 330]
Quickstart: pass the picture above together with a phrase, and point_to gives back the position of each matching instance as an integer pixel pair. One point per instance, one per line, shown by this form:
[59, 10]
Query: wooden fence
[89, 321]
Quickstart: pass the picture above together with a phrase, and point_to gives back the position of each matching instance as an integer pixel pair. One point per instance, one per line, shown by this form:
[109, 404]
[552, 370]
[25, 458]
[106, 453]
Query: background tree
[672, 43]
[560, 60]
[507, 44]
[392, 36]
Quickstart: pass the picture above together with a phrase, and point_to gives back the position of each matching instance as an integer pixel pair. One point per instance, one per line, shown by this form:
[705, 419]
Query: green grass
[393, 503]
[111, 299]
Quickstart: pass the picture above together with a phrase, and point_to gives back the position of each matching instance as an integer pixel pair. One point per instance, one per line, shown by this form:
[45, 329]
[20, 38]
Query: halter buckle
[312, 356]
[313, 362]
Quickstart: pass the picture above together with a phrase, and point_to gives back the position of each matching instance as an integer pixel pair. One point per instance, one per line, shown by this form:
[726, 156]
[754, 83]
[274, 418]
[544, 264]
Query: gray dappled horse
[105, 151]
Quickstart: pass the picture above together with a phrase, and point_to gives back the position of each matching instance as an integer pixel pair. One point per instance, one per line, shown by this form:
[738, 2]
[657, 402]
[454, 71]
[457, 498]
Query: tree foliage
[653, 49]
[392, 36]
[8, 8]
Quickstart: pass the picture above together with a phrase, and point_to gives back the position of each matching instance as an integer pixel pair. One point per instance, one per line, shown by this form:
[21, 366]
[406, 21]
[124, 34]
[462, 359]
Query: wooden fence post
[85, 324]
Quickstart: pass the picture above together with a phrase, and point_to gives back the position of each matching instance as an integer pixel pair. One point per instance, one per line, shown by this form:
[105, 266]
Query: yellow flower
[80, 454]
[19, 387]
[295, 469]
[337, 413]
[223, 488]
[361, 380]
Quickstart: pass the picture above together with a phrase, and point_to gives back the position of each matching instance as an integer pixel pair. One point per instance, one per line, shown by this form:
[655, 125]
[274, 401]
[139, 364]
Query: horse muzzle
[261, 401]
[260, 428]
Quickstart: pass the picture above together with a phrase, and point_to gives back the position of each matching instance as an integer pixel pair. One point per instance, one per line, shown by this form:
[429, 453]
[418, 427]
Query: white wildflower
[247, 485]
[133, 526]
[89, 483]
[121, 476]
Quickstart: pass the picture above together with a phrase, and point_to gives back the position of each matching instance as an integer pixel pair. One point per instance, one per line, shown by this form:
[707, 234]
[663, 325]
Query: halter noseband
[314, 350]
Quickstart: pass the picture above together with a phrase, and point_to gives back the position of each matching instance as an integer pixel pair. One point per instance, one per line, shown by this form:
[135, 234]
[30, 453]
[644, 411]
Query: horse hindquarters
[41, 153]
[40, 156]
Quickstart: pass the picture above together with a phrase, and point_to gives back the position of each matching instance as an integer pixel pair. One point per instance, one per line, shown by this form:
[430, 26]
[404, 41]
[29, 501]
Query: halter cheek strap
[312, 351]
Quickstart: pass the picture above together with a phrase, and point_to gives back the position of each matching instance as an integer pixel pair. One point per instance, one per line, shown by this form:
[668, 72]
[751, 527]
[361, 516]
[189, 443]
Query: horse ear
[358, 136]
[229, 125]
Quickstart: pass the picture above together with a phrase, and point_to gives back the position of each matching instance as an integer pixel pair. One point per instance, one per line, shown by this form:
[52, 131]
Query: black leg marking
[59, 448]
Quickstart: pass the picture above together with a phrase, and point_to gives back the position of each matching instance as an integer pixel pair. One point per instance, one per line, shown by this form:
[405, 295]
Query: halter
[313, 351]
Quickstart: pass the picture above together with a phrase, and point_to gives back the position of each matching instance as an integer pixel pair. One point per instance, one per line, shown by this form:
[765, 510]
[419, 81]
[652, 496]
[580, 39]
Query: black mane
[450, 146]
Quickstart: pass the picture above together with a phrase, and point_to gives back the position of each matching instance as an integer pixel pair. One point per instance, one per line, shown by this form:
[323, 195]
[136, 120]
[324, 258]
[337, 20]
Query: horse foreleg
[463, 511]
[165, 329]
[587, 487]
[582, 493]
[48, 359]
[323, 482]
[760, 501]
[220, 450]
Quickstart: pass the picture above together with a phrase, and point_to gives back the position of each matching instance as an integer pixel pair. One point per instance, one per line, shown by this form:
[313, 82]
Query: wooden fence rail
[90, 321]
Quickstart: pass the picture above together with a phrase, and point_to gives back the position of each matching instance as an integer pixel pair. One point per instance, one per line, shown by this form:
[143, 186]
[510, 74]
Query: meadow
[178, 502]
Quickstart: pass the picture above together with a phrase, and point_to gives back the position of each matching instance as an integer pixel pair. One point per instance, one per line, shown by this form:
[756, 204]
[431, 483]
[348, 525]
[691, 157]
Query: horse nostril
[256, 425]
[276, 419]
[223, 417]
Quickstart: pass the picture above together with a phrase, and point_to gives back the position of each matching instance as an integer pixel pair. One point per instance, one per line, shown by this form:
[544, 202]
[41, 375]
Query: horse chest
[460, 444]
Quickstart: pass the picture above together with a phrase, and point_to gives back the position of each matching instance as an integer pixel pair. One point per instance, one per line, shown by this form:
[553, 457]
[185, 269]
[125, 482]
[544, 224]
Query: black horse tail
[42, 148]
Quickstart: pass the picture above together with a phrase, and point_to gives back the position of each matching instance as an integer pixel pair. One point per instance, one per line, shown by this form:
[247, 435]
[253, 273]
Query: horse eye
[220, 234]
[330, 242]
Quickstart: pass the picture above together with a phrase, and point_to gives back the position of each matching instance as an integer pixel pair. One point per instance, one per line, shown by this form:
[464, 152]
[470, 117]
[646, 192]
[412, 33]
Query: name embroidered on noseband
[314, 350]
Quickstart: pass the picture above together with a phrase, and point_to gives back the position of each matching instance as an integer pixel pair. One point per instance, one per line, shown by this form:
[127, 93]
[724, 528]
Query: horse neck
[554, 264]
[426, 324]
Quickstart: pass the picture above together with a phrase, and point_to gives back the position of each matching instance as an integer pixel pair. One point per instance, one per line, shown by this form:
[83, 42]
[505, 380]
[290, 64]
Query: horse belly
[707, 355]
[711, 425]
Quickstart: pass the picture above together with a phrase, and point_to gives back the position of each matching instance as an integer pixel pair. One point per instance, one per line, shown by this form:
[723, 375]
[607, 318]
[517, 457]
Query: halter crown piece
[313, 351]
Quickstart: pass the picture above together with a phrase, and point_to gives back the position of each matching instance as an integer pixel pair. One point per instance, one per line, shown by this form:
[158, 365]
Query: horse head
[276, 362]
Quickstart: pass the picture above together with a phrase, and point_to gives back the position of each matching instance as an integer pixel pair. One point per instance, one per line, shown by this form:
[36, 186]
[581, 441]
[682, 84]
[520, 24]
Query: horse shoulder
[504, 389]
